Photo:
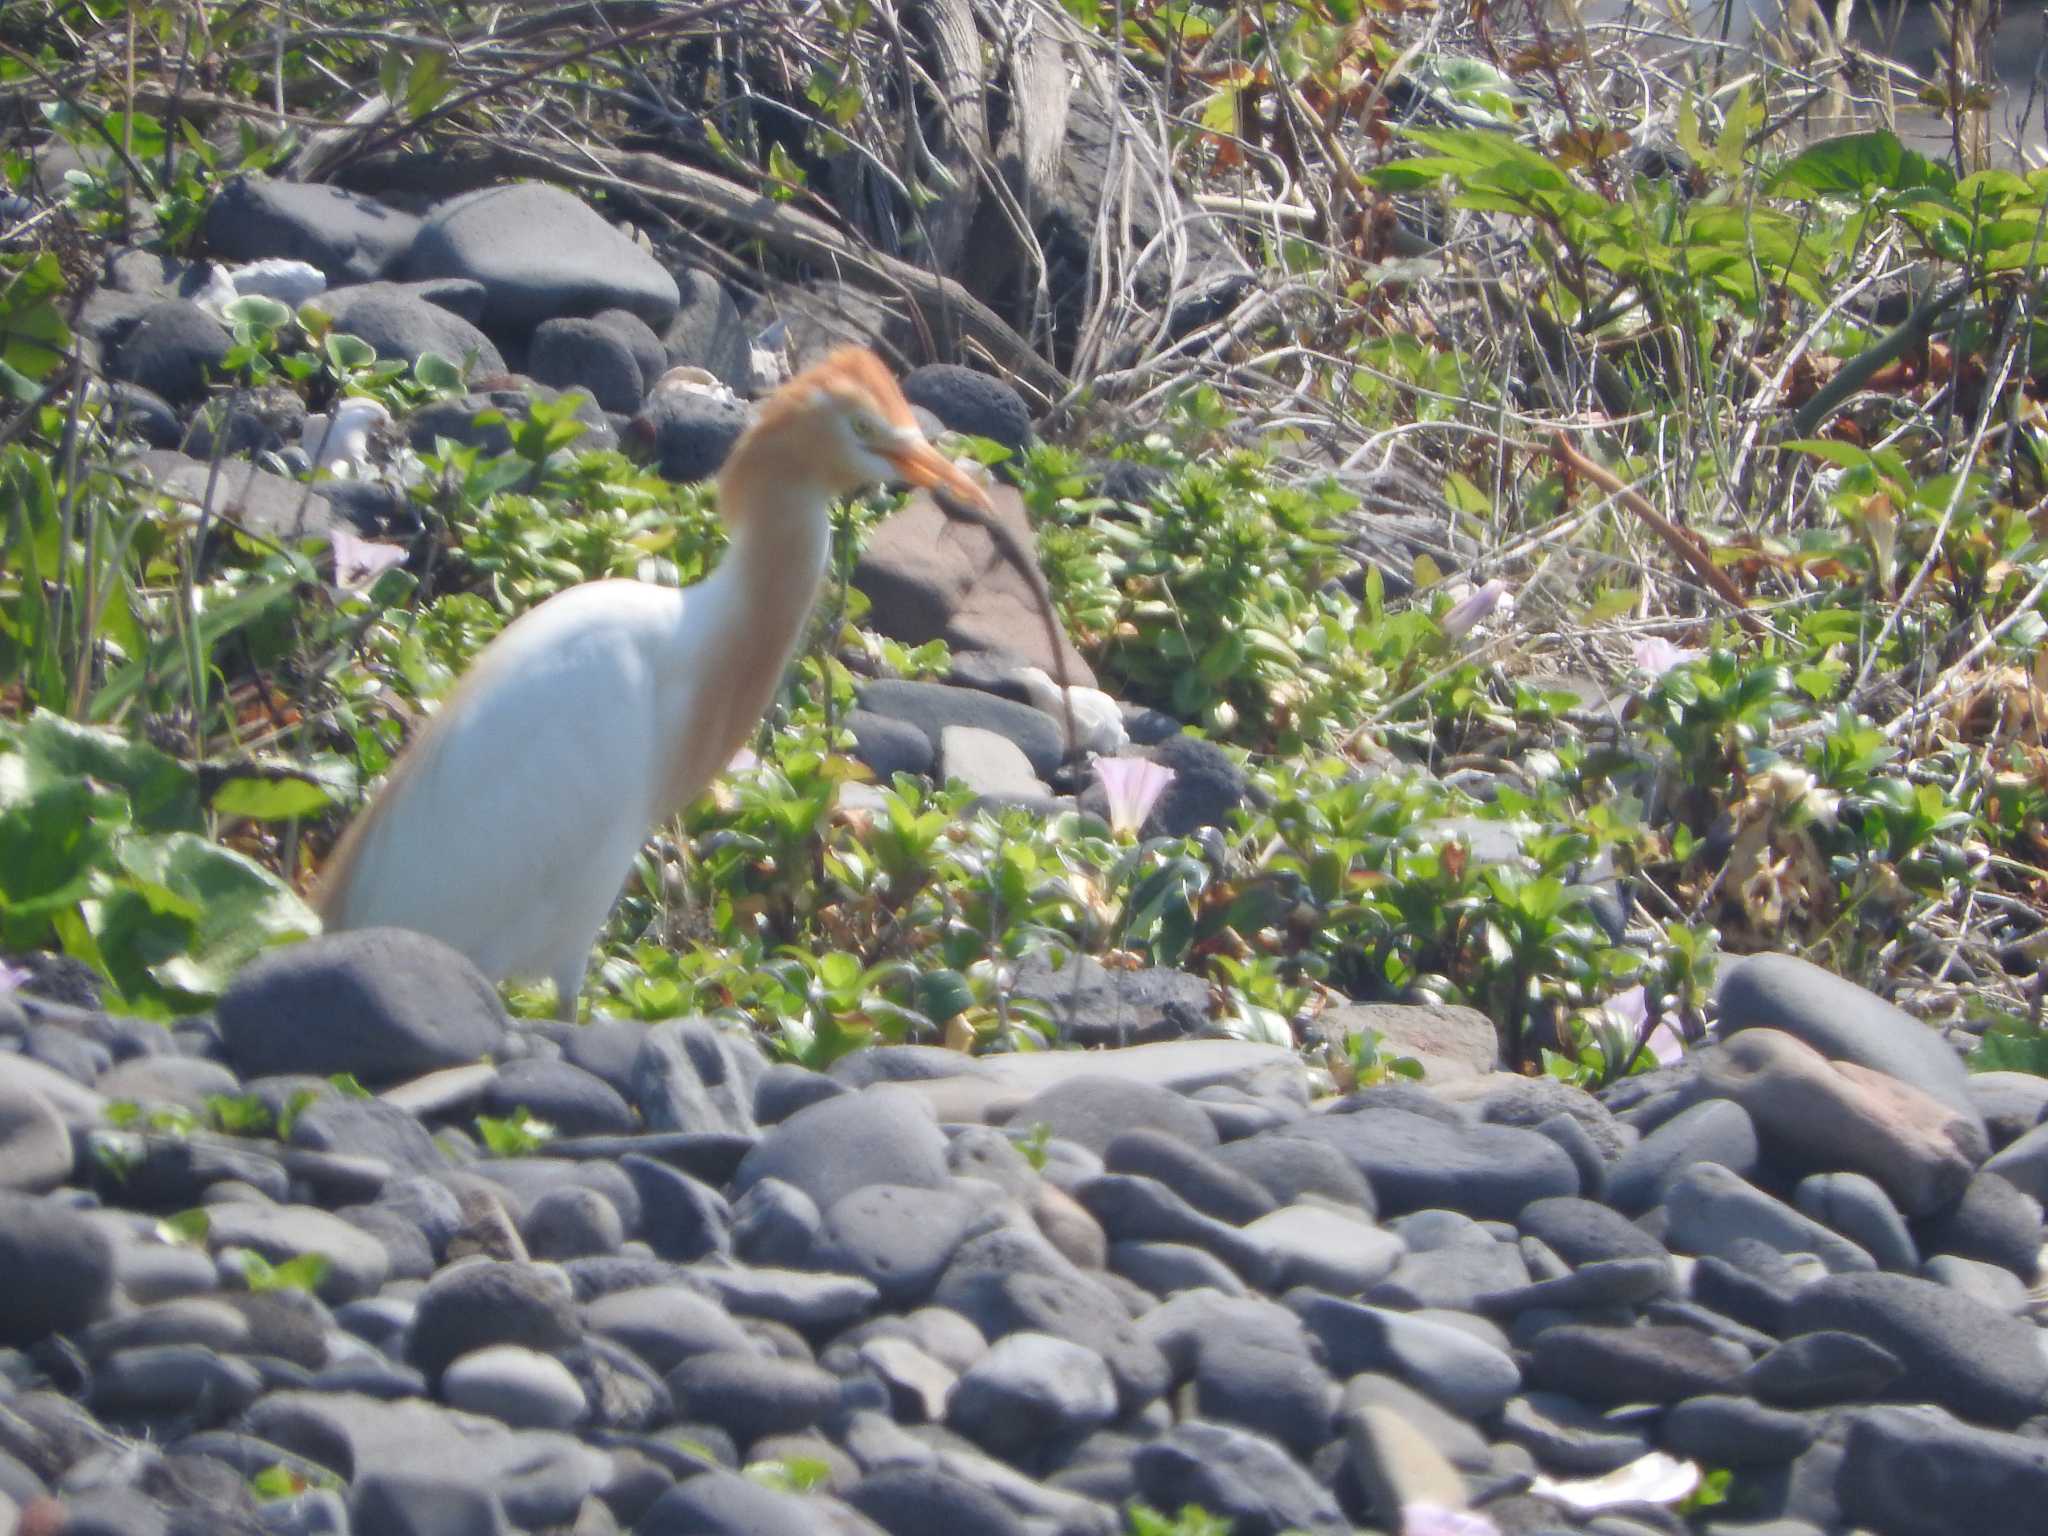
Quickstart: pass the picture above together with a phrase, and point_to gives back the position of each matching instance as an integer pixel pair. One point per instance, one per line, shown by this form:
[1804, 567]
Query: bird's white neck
[756, 605]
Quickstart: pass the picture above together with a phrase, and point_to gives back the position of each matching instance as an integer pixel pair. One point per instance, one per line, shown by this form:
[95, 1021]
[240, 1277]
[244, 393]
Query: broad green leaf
[33, 335]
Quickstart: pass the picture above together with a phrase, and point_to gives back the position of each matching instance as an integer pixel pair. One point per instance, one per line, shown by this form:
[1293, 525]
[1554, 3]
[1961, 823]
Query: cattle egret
[510, 824]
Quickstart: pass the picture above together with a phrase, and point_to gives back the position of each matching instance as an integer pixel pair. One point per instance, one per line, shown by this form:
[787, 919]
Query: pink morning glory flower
[1133, 785]
[1419, 1519]
[1656, 655]
[1466, 613]
[358, 562]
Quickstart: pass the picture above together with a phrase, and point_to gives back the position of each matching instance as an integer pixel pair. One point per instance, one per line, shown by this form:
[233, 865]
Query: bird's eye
[866, 430]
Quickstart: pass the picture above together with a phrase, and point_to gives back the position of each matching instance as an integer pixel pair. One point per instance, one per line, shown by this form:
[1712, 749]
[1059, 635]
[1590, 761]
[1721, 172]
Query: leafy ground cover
[1747, 426]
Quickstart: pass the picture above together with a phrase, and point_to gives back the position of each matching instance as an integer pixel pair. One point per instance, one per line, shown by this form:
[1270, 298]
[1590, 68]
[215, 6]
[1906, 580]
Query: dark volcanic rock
[1414, 1163]
[1957, 1352]
[1917, 1472]
[350, 238]
[174, 350]
[382, 1003]
[540, 252]
[966, 400]
[56, 1269]
[482, 1304]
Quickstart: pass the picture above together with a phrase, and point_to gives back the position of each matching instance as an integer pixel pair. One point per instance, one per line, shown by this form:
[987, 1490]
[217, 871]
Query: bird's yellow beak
[917, 462]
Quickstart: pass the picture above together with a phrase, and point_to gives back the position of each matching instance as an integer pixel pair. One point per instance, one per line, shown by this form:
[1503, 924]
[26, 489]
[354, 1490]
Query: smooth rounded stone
[1602, 1283]
[196, 1320]
[2024, 1164]
[1448, 1041]
[1453, 1437]
[1094, 1111]
[383, 1004]
[1396, 1465]
[179, 1080]
[569, 353]
[623, 1393]
[401, 322]
[349, 237]
[1583, 1232]
[1712, 1207]
[370, 1376]
[720, 1503]
[368, 1128]
[1842, 1021]
[1031, 1388]
[980, 1286]
[1414, 1163]
[35, 1145]
[785, 1088]
[1754, 1285]
[519, 1181]
[1994, 1222]
[405, 1246]
[1999, 1289]
[184, 1379]
[573, 1101]
[2012, 1103]
[919, 1387]
[1452, 1277]
[1720, 1431]
[1327, 1250]
[1567, 1437]
[777, 1223]
[1237, 1476]
[1813, 1114]
[888, 746]
[1716, 1131]
[61, 1050]
[1266, 1381]
[1134, 1209]
[681, 1218]
[1817, 1370]
[515, 1386]
[1167, 1268]
[571, 1223]
[931, 707]
[1690, 1314]
[750, 1395]
[177, 1173]
[1957, 1351]
[967, 400]
[708, 331]
[899, 1237]
[1507, 1098]
[540, 251]
[1466, 1374]
[173, 350]
[357, 1264]
[1915, 1471]
[1634, 1365]
[419, 1504]
[605, 1048]
[481, 1304]
[932, 1501]
[881, 1135]
[982, 1152]
[1197, 1176]
[665, 1325]
[640, 339]
[814, 1305]
[692, 434]
[1857, 1207]
[1578, 1144]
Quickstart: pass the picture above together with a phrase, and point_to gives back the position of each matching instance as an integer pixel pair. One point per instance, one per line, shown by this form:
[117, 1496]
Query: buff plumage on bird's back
[513, 819]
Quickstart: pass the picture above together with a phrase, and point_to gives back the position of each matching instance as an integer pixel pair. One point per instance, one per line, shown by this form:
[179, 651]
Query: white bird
[508, 827]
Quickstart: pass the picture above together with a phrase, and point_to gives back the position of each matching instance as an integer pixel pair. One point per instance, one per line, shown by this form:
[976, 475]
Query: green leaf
[33, 335]
[1859, 165]
[345, 1084]
[162, 794]
[944, 994]
[51, 847]
[280, 792]
[190, 915]
[188, 1228]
